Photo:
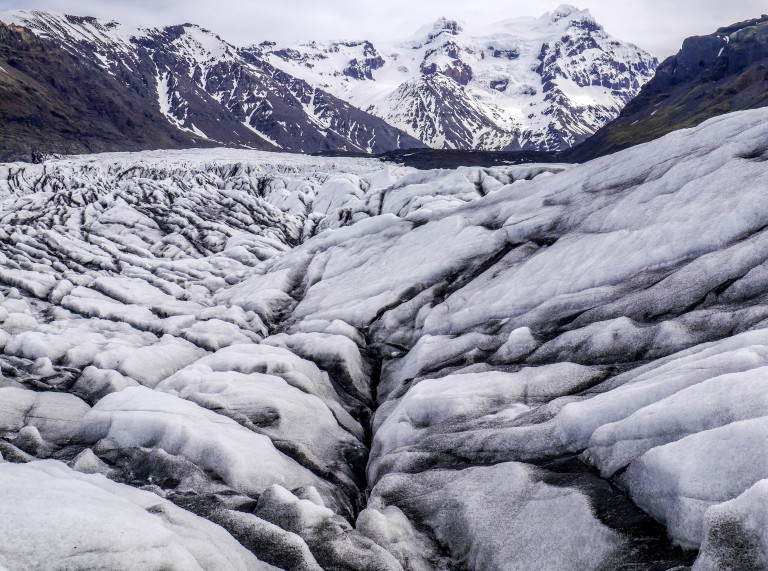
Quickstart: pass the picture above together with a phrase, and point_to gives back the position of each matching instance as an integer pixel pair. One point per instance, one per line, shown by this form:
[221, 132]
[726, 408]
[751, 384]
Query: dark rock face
[363, 69]
[445, 26]
[508, 54]
[710, 76]
[457, 70]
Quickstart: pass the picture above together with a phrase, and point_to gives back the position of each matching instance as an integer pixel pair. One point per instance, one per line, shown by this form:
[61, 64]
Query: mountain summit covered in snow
[528, 83]
[524, 83]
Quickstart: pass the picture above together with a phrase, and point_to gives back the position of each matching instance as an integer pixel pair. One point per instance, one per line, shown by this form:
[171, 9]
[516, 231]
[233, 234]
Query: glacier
[233, 359]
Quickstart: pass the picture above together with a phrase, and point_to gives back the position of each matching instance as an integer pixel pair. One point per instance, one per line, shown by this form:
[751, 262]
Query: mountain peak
[444, 25]
[523, 83]
[567, 11]
[563, 11]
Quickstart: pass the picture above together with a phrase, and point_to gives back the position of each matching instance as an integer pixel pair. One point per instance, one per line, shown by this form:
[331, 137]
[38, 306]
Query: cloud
[658, 26]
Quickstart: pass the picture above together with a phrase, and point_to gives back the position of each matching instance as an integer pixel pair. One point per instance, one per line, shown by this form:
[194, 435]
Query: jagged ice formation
[270, 361]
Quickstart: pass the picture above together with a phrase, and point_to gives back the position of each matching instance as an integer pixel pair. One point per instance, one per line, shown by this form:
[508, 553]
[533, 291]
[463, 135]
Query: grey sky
[658, 26]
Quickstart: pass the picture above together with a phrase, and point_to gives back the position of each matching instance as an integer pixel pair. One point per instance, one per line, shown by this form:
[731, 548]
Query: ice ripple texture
[241, 360]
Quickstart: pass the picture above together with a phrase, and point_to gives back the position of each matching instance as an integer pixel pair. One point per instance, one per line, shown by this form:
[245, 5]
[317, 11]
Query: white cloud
[658, 26]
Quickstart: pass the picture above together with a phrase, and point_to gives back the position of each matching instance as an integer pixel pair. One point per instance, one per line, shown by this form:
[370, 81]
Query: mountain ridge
[711, 75]
[50, 101]
[217, 94]
[209, 91]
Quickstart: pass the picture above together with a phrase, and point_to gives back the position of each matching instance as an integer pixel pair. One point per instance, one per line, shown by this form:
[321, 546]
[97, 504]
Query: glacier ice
[55, 518]
[315, 362]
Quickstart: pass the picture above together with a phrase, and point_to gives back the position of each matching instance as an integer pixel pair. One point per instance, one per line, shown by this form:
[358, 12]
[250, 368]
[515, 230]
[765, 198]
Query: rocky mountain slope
[54, 102]
[527, 83]
[206, 90]
[710, 76]
[241, 360]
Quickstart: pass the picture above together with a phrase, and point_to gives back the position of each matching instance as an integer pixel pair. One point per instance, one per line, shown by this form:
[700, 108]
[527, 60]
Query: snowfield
[225, 359]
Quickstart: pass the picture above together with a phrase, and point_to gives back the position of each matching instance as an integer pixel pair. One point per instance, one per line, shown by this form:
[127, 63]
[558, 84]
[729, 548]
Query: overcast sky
[658, 26]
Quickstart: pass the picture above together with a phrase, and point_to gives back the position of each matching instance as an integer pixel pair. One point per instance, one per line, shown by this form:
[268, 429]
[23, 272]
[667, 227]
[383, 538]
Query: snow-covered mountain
[537, 84]
[208, 89]
[228, 359]
[528, 83]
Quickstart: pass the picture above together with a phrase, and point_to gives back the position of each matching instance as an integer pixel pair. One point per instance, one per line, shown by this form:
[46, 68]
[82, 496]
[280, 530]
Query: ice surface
[677, 482]
[336, 354]
[55, 416]
[347, 365]
[736, 533]
[268, 404]
[518, 526]
[140, 418]
[55, 518]
[360, 304]
[446, 405]
[698, 370]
